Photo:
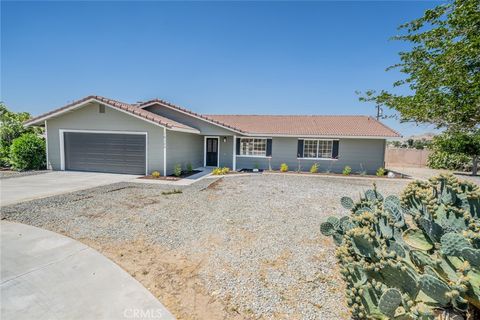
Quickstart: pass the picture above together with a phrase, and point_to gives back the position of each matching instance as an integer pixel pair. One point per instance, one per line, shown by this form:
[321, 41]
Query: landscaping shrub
[416, 267]
[314, 168]
[220, 171]
[174, 191]
[27, 152]
[283, 167]
[450, 161]
[380, 172]
[155, 174]
[189, 167]
[347, 170]
[177, 170]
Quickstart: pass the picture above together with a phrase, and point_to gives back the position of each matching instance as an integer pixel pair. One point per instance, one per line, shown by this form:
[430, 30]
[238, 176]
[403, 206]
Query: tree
[442, 69]
[459, 142]
[27, 152]
[11, 127]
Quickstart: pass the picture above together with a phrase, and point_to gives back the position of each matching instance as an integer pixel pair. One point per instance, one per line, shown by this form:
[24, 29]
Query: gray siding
[356, 153]
[88, 118]
[226, 152]
[204, 127]
[184, 148]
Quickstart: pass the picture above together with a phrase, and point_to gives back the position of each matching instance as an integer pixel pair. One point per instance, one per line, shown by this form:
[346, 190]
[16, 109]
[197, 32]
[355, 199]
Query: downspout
[46, 145]
[164, 151]
[234, 162]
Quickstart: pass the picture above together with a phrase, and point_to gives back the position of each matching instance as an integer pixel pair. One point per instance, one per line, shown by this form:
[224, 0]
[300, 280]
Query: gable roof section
[190, 113]
[120, 106]
[304, 126]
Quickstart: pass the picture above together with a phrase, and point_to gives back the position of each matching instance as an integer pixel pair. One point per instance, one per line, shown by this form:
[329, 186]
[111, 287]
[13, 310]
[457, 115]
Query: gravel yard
[240, 247]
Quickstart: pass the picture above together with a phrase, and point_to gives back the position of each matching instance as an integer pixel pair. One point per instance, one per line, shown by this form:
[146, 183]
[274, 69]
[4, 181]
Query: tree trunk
[475, 166]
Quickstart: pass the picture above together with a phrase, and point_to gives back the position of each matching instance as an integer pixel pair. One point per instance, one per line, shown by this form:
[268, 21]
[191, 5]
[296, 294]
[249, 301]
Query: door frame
[62, 143]
[205, 149]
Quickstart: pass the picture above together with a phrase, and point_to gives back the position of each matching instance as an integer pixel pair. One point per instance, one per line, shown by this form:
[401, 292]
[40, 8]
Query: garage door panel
[105, 152]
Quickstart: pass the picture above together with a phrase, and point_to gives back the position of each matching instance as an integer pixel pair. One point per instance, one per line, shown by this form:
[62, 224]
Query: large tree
[441, 68]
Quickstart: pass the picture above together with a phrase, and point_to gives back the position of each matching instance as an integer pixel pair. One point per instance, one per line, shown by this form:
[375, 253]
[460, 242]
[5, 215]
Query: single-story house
[104, 135]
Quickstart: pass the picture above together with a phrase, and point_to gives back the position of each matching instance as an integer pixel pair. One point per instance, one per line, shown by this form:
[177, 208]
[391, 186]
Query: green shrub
[177, 170]
[347, 170]
[189, 167]
[27, 152]
[220, 171]
[314, 168]
[174, 191]
[399, 267]
[283, 167]
[380, 172]
[450, 161]
[155, 174]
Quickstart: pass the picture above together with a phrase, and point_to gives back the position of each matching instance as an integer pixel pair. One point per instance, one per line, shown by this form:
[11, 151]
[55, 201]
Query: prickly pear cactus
[413, 257]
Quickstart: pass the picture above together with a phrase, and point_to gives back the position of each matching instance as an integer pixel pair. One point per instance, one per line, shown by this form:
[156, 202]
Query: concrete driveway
[26, 188]
[45, 275]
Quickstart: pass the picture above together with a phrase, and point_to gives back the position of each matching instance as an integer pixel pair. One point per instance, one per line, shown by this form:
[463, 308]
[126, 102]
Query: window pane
[253, 147]
[310, 148]
[325, 149]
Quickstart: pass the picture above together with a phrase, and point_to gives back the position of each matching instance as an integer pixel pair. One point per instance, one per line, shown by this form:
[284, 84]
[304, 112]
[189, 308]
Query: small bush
[155, 174]
[380, 172]
[283, 167]
[189, 167]
[314, 168]
[177, 170]
[450, 161]
[27, 152]
[220, 171]
[347, 170]
[174, 191]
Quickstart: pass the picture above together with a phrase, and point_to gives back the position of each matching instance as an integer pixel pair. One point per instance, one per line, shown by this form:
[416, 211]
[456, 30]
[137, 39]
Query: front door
[212, 152]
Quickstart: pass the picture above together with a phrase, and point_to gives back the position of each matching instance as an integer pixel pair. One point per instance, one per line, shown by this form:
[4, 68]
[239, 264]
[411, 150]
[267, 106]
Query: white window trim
[62, 144]
[318, 144]
[253, 156]
[205, 150]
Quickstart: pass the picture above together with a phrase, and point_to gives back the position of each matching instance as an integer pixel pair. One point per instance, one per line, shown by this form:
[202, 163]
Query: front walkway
[45, 275]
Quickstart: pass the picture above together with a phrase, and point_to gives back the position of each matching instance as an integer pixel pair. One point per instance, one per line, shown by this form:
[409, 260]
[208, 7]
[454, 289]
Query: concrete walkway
[45, 275]
[26, 188]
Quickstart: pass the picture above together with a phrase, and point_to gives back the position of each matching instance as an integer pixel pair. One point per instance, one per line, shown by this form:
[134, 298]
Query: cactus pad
[452, 244]
[416, 239]
[327, 229]
[471, 255]
[347, 203]
[435, 289]
[389, 302]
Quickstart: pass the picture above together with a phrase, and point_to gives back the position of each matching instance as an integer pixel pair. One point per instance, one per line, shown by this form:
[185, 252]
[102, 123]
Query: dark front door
[212, 152]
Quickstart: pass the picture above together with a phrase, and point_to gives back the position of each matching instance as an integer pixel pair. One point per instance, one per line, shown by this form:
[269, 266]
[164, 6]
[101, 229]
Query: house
[104, 135]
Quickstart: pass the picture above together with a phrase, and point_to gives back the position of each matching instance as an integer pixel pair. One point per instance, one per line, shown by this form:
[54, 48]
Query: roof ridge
[292, 115]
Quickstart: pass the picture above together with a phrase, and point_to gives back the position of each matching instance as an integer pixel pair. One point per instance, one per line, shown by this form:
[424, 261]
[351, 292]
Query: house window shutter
[269, 147]
[335, 149]
[238, 146]
[300, 148]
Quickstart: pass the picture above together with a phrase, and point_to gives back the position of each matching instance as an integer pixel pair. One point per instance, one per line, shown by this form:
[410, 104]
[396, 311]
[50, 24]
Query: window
[253, 147]
[317, 149]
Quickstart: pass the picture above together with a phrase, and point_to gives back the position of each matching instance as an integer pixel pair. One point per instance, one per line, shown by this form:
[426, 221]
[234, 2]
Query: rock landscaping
[243, 247]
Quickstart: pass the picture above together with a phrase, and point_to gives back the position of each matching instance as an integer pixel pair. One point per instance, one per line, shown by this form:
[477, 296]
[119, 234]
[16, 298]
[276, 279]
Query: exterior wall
[88, 118]
[205, 128]
[226, 152]
[356, 153]
[184, 148]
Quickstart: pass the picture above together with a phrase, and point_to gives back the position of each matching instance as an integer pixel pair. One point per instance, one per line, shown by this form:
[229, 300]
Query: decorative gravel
[258, 236]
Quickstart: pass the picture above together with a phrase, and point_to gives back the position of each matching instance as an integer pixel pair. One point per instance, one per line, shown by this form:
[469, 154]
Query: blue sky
[211, 57]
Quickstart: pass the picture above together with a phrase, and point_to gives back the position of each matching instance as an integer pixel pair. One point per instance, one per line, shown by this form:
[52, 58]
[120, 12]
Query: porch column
[234, 162]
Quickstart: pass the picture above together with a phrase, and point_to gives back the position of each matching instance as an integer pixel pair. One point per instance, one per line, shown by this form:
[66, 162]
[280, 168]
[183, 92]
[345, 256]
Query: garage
[105, 152]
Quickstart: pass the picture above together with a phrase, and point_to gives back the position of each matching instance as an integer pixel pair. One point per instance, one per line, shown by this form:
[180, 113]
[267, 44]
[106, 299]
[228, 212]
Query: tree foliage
[442, 68]
[27, 152]
[459, 142]
[11, 127]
